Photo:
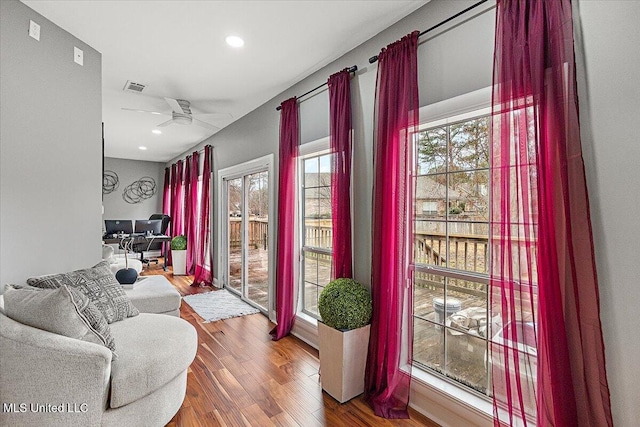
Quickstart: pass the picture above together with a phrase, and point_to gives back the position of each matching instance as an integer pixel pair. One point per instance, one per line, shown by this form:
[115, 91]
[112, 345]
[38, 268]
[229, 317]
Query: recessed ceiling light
[234, 41]
[156, 131]
[142, 148]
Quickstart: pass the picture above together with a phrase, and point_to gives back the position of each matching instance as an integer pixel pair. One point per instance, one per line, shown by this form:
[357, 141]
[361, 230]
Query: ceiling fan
[181, 114]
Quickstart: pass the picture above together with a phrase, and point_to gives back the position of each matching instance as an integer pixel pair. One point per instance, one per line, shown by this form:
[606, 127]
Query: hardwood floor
[240, 377]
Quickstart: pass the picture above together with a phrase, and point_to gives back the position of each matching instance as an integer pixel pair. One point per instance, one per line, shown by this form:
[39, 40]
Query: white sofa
[52, 380]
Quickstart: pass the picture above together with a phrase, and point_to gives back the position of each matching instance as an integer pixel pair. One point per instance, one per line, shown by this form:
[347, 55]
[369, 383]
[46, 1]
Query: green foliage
[455, 211]
[345, 304]
[179, 243]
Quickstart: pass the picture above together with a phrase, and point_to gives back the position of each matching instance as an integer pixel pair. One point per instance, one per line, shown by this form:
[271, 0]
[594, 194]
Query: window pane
[311, 172]
[468, 246]
[428, 289]
[469, 145]
[431, 196]
[432, 151]
[316, 230]
[465, 355]
[324, 269]
[430, 244]
[311, 294]
[235, 235]
[428, 344]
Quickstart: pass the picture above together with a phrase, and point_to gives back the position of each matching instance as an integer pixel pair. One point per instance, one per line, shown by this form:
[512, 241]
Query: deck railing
[257, 233]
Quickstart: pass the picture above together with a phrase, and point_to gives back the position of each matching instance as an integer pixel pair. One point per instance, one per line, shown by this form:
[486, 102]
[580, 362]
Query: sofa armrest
[50, 379]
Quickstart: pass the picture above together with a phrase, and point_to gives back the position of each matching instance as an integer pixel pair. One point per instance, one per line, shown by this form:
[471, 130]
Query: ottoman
[155, 294]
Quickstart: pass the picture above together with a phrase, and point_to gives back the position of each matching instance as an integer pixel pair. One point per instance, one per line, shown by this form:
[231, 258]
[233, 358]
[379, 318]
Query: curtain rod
[451, 18]
[189, 155]
[351, 69]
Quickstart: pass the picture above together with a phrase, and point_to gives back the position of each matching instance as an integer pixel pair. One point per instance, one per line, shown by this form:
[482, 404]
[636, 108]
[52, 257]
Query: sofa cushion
[154, 294]
[63, 311]
[99, 284]
[153, 349]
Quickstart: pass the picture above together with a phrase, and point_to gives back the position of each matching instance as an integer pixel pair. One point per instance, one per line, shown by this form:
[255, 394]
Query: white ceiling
[178, 49]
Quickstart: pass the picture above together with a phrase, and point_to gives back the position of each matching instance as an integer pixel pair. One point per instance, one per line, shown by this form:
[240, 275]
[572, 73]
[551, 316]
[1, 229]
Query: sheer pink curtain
[175, 205]
[388, 374]
[203, 275]
[166, 207]
[544, 290]
[177, 201]
[341, 146]
[166, 192]
[191, 209]
[186, 209]
[285, 286]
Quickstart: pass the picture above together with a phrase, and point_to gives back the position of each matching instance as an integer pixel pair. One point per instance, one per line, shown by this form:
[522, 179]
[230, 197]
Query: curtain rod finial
[278, 108]
[373, 59]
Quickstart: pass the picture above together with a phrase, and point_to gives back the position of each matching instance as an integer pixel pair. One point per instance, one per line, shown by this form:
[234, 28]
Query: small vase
[126, 276]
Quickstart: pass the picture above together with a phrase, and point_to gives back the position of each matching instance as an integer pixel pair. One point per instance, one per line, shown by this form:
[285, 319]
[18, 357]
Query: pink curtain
[388, 374]
[203, 275]
[544, 291]
[341, 146]
[191, 209]
[186, 207]
[285, 291]
[166, 192]
[172, 197]
[177, 201]
[166, 207]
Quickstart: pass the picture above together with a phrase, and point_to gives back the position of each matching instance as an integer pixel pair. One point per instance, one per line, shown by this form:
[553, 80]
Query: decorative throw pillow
[63, 311]
[99, 284]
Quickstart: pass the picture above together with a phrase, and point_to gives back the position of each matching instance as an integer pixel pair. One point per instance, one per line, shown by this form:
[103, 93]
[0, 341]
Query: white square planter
[343, 358]
[179, 260]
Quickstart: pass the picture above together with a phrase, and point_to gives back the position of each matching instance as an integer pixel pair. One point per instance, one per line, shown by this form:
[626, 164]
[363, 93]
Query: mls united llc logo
[68, 408]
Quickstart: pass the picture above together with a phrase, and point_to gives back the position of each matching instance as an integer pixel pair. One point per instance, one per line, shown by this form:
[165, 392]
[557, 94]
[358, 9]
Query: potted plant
[179, 255]
[343, 337]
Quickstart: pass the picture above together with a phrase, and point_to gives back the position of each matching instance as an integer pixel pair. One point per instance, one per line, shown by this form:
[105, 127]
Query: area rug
[218, 305]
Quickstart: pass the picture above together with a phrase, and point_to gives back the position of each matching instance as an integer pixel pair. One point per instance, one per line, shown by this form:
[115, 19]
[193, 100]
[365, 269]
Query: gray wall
[129, 171]
[609, 66]
[459, 60]
[50, 149]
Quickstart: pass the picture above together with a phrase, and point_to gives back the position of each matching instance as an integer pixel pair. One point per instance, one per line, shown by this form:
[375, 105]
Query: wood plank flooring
[240, 377]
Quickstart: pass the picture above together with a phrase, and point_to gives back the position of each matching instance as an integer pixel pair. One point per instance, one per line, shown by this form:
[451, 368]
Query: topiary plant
[179, 243]
[345, 304]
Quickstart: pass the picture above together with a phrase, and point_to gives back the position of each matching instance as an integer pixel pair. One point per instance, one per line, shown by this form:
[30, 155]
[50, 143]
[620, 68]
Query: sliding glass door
[246, 242]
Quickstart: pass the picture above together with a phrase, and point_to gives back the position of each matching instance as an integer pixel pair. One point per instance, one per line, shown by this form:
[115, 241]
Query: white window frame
[315, 148]
[430, 389]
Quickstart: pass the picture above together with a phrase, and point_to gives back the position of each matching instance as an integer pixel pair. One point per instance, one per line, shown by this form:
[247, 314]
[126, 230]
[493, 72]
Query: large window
[316, 228]
[451, 250]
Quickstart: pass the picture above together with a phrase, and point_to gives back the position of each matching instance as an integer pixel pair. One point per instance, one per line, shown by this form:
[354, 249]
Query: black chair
[152, 249]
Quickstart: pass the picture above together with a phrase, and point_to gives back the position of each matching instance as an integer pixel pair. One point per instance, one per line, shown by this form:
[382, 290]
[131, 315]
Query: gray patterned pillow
[99, 284]
[63, 311]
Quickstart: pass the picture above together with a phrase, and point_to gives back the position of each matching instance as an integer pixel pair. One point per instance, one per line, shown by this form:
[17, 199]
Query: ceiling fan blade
[145, 111]
[175, 106]
[205, 124]
[167, 123]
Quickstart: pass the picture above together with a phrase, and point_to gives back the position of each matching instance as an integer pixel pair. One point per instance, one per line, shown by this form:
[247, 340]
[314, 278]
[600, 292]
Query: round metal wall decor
[110, 182]
[140, 190]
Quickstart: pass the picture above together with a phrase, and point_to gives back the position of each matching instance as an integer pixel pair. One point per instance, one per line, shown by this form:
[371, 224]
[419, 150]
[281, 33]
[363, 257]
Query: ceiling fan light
[234, 41]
